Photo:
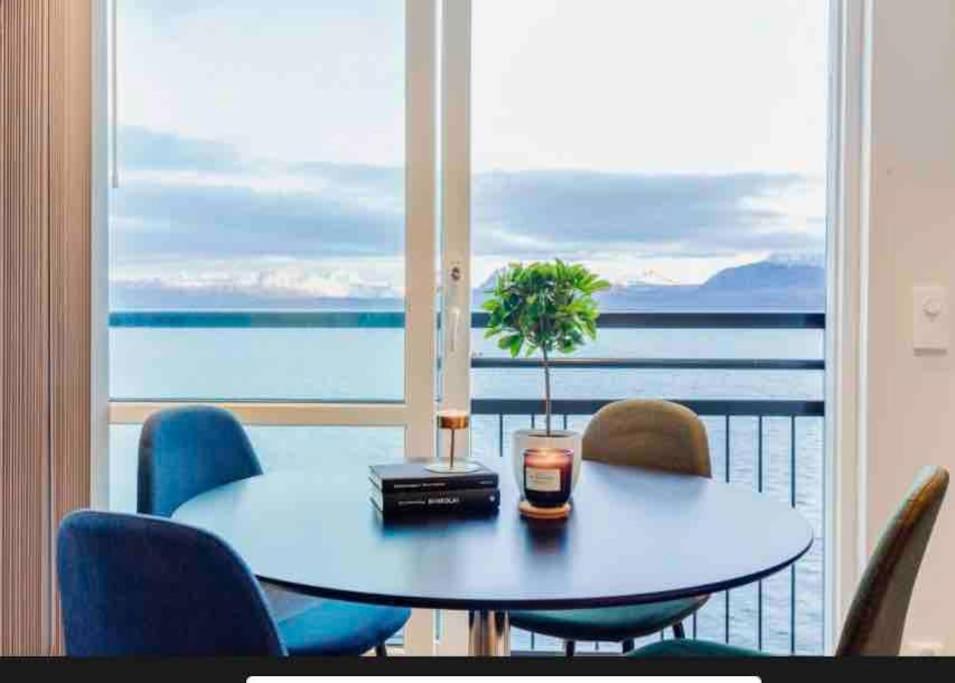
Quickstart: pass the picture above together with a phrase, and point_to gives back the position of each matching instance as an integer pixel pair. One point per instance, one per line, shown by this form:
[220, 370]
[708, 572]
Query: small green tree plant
[546, 306]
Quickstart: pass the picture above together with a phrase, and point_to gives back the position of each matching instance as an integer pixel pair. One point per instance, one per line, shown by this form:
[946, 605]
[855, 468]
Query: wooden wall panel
[70, 258]
[24, 330]
[44, 302]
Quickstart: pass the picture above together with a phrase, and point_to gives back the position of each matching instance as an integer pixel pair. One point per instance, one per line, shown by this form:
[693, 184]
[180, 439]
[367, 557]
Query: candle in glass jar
[547, 476]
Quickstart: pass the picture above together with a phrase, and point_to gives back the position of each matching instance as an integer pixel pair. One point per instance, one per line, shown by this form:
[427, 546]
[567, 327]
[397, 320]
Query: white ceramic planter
[523, 439]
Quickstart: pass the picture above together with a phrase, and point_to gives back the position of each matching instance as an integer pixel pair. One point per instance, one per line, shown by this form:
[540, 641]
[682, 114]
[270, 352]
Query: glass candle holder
[453, 420]
[547, 476]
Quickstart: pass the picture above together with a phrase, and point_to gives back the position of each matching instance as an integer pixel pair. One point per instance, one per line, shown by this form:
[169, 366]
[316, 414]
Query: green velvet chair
[876, 617]
[641, 433]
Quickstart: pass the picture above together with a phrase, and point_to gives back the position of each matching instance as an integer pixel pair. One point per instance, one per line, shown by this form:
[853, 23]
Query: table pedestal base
[489, 634]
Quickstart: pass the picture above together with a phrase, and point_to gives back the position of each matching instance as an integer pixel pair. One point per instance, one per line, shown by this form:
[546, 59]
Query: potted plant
[547, 307]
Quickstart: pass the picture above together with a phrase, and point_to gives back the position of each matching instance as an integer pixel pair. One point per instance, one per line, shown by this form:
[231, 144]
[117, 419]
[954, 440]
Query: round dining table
[633, 536]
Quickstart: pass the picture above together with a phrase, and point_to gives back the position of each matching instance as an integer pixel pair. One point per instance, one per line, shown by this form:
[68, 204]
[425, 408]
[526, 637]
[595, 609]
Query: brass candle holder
[453, 420]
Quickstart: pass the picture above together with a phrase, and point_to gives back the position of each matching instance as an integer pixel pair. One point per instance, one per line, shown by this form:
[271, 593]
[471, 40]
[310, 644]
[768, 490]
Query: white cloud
[267, 277]
[653, 86]
[656, 87]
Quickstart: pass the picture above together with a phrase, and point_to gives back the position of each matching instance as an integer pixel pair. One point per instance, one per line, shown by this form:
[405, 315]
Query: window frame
[438, 65]
[414, 410]
[844, 444]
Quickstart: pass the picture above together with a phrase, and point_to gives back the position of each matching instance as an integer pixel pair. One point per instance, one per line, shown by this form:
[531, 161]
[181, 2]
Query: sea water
[368, 364]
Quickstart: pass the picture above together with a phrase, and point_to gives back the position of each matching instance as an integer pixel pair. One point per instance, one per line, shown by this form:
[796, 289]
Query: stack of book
[410, 488]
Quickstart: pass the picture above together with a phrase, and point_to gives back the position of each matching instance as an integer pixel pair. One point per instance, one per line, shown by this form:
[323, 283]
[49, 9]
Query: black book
[430, 502]
[409, 477]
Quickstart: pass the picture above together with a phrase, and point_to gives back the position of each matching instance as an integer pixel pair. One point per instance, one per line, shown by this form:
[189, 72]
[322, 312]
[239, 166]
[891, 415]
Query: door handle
[455, 324]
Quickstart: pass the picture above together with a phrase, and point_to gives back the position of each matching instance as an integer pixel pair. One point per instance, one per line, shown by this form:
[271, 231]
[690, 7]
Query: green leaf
[545, 305]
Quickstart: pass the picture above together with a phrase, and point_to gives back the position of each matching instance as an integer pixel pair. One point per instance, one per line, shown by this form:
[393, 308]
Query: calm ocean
[358, 364]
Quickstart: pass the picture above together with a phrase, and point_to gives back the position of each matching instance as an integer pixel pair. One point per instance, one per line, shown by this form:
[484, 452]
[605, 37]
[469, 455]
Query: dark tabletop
[633, 536]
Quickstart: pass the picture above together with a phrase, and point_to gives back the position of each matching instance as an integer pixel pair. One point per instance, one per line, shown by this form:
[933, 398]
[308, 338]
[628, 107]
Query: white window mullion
[456, 199]
[99, 258]
[420, 253]
[420, 250]
[849, 53]
[456, 257]
[278, 414]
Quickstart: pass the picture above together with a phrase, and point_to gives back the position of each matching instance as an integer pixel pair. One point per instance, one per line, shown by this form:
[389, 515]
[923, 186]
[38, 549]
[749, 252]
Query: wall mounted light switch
[931, 318]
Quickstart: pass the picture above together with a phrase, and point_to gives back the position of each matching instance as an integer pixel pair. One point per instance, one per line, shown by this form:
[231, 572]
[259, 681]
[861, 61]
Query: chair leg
[628, 645]
[570, 646]
[381, 650]
[678, 631]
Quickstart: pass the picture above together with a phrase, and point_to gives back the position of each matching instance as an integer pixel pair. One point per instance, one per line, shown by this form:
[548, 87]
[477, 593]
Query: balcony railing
[747, 438]
[773, 443]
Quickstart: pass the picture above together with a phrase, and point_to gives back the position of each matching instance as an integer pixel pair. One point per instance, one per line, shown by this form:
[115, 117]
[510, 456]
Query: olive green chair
[877, 615]
[657, 435]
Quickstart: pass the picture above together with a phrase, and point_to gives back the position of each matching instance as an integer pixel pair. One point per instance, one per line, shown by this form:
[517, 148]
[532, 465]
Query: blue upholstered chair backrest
[135, 585]
[186, 451]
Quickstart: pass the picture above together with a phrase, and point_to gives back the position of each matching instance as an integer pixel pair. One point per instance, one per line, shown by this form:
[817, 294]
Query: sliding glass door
[271, 213]
[272, 227]
[310, 199]
[678, 148]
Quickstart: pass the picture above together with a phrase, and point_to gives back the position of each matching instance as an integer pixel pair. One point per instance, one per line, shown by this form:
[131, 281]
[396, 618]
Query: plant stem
[546, 390]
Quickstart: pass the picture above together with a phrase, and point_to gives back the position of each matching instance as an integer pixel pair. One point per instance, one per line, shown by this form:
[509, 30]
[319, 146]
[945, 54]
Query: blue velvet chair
[133, 585]
[186, 451]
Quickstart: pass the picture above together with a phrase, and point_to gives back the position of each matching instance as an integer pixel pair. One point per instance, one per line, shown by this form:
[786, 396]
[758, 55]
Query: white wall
[911, 398]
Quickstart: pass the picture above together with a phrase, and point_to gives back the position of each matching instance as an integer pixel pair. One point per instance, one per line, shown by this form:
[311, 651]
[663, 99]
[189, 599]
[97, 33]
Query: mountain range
[763, 286]
[770, 285]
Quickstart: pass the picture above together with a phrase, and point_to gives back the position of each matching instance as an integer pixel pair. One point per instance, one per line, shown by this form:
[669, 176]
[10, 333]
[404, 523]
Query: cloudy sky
[262, 142]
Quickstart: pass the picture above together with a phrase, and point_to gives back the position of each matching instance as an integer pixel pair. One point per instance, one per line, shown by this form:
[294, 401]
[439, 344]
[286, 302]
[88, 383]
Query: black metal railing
[720, 416]
[396, 319]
